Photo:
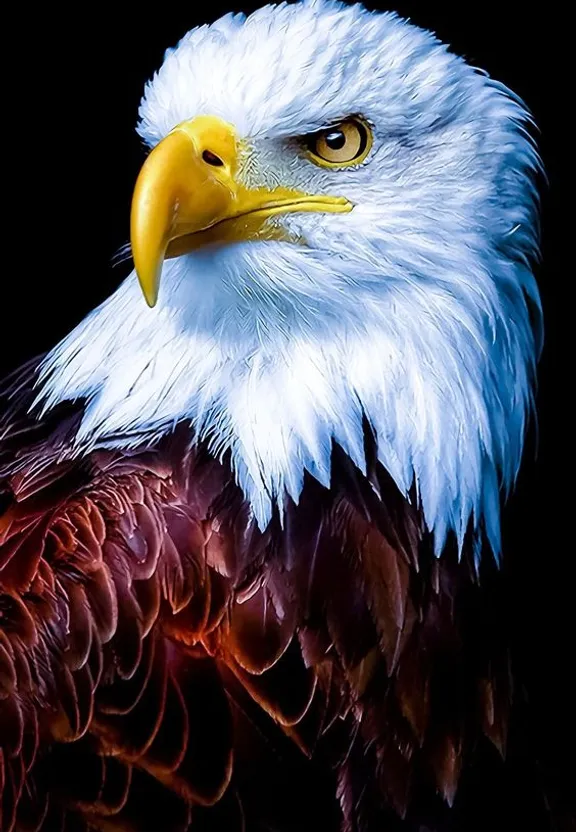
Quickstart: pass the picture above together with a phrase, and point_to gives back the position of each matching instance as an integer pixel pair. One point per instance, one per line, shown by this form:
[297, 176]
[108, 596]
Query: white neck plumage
[442, 377]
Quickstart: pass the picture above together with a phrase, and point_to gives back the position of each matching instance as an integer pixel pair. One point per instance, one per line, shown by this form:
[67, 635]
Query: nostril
[211, 159]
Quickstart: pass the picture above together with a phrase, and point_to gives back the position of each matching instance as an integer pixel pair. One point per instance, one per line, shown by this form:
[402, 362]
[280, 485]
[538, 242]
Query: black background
[73, 76]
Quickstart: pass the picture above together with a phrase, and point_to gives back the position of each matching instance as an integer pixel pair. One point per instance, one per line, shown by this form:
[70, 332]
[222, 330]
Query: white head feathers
[417, 310]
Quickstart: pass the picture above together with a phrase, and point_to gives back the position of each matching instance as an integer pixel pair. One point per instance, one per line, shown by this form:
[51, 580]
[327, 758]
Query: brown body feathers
[166, 666]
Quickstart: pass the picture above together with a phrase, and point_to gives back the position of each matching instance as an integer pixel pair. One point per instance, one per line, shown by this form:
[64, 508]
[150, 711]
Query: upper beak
[186, 195]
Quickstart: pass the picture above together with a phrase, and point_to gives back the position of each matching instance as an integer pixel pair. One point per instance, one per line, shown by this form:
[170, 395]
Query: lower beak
[187, 196]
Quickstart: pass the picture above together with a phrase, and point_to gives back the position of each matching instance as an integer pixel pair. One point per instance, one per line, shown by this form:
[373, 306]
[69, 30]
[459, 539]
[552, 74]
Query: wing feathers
[148, 629]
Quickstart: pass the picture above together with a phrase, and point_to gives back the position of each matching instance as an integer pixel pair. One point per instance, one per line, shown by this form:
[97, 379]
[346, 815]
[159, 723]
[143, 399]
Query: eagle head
[335, 227]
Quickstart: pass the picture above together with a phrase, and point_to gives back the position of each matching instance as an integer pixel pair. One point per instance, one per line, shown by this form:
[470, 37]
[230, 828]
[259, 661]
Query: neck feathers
[444, 383]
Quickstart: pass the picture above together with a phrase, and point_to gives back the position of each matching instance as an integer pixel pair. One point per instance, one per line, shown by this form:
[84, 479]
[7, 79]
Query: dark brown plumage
[164, 665]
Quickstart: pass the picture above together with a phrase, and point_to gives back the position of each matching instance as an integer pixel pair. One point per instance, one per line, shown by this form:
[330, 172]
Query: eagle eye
[342, 144]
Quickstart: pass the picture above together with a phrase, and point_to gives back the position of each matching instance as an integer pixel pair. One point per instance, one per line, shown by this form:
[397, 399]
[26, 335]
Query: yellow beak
[187, 196]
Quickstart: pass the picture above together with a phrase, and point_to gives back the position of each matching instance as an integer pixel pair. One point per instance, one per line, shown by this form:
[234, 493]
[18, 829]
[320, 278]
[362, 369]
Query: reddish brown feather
[148, 629]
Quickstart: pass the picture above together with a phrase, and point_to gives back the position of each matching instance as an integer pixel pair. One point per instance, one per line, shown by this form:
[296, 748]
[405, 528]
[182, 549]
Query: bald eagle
[251, 527]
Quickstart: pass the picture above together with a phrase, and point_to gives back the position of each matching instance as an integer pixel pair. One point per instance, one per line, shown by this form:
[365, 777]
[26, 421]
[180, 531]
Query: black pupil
[335, 139]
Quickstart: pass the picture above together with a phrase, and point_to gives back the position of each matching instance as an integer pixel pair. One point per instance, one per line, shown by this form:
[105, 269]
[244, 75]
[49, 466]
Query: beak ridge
[185, 186]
